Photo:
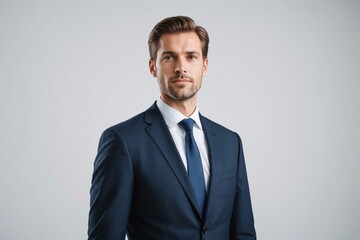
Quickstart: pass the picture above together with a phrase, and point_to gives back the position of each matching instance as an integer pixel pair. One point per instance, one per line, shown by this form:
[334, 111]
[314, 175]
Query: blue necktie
[195, 170]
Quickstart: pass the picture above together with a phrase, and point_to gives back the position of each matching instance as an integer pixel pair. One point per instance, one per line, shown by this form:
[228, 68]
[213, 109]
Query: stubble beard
[179, 95]
[180, 92]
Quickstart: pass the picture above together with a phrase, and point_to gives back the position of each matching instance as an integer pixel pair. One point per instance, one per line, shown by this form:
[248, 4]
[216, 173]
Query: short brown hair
[175, 25]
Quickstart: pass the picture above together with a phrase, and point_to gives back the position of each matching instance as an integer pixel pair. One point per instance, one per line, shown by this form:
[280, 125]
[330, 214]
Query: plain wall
[283, 74]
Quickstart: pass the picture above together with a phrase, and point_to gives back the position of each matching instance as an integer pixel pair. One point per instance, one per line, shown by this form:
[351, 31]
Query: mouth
[181, 80]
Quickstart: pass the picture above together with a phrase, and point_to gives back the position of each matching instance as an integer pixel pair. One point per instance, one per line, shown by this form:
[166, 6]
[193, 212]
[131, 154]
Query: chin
[183, 97]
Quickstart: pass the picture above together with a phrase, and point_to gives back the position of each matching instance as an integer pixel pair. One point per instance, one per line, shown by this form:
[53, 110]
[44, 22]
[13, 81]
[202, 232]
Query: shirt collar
[172, 116]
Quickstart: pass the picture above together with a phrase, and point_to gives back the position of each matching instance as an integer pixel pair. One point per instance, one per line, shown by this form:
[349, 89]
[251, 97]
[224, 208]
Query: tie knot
[187, 124]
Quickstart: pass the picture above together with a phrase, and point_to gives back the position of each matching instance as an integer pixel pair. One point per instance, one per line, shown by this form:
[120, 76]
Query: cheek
[167, 68]
[165, 73]
[200, 72]
[161, 79]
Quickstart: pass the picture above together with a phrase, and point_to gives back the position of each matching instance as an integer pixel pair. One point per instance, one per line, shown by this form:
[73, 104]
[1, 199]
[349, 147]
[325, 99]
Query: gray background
[283, 74]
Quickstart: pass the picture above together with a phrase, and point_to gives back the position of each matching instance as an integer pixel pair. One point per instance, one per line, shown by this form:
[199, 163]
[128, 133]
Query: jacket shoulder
[128, 124]
[135, 126]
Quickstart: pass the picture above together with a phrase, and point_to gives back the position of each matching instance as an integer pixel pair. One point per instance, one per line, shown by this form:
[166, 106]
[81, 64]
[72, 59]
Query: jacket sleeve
[242, 221]
[111, 189]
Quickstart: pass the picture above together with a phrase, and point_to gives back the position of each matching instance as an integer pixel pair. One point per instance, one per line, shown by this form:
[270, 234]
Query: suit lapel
[214, 146]
[160, 134]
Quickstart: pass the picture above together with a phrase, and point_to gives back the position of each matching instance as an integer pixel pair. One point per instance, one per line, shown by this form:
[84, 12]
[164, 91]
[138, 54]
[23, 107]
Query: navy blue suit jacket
[140, 185]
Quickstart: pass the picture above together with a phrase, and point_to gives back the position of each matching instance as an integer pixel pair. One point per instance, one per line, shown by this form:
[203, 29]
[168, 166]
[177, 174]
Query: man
[170, 173]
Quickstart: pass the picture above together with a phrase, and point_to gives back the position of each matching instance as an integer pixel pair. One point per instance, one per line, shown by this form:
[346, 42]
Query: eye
[168, 57]
[192, 56]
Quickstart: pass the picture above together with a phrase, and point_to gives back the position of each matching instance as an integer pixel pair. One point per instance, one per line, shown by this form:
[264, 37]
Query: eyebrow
[173, 53]
[193, 52]
[168, 52]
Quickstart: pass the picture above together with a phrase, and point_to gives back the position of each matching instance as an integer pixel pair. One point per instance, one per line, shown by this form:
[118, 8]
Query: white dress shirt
[172, 117]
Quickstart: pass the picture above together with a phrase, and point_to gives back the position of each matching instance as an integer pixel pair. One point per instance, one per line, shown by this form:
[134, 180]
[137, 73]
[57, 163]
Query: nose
[180, 66]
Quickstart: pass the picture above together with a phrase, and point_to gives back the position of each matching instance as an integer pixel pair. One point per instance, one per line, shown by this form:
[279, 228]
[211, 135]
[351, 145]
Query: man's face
[179, 66]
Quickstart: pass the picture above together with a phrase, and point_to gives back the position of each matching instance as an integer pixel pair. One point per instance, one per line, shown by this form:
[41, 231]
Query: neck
[186, 107]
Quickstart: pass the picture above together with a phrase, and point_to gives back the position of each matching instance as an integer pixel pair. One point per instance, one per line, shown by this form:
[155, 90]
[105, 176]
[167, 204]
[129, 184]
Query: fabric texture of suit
[140, 185]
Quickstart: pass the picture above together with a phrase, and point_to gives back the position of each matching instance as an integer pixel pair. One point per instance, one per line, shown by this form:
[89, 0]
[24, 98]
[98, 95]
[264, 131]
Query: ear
[205, 66]
[152, 68]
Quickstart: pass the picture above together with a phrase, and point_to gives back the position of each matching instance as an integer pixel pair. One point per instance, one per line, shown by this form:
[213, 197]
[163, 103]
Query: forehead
[177, 42]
